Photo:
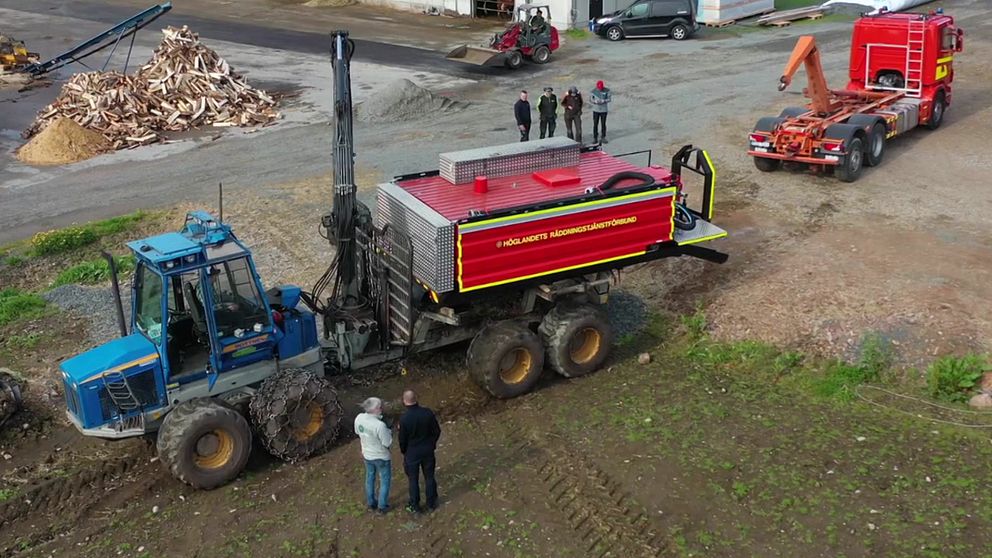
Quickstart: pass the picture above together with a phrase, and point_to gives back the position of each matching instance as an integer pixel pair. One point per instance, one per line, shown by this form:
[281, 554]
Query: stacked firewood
[184, 86]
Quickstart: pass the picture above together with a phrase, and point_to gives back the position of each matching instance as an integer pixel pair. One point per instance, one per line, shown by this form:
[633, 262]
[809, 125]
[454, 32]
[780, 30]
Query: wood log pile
[184, 86]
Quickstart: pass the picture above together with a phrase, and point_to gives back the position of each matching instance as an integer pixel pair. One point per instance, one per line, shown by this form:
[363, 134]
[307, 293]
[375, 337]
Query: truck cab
[201, 325]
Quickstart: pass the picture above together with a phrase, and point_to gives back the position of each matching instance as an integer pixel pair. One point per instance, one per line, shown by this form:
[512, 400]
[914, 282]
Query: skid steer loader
[529, 36]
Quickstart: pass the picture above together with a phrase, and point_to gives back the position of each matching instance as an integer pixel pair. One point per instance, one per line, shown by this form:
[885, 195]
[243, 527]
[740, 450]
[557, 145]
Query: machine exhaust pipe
[115, 286]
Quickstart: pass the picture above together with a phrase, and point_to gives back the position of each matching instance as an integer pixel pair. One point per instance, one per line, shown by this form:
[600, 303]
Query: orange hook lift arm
[816, 90]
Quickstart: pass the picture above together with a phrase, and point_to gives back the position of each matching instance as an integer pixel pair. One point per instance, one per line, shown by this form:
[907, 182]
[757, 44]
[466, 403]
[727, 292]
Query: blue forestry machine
[213, 357]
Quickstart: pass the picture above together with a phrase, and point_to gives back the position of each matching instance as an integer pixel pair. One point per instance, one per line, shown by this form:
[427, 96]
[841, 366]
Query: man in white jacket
[376, 439]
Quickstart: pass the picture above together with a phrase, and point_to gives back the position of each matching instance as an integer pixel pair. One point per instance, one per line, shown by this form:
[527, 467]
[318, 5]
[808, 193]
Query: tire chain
[281, 395]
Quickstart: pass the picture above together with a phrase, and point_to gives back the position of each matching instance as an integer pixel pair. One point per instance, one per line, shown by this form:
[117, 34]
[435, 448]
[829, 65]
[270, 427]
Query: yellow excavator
[14, 56]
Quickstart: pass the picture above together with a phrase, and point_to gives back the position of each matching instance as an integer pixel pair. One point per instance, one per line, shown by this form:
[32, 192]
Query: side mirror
[959, 41]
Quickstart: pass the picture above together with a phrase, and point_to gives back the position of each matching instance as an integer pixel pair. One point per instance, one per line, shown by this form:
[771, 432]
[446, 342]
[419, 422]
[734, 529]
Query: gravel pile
[403, 100]
[95, 304]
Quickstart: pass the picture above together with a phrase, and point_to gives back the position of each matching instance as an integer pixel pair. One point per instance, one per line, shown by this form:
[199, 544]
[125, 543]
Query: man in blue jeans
[376, 439]
[419, 433]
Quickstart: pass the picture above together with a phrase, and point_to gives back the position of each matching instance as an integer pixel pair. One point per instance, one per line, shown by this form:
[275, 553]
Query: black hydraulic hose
[646, 180]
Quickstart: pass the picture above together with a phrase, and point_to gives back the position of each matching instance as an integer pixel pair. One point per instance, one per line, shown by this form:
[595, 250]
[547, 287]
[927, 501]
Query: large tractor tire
[296, 414]
[10, 397]
[204, 443]
[578, 339]
[506, 359]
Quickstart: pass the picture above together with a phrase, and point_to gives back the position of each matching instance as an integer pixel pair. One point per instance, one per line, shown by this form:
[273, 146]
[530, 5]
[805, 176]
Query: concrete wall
[451, 7]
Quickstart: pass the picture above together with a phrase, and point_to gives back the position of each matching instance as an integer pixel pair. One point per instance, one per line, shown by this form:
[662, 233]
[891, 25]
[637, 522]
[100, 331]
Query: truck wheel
[850, 168]
[204, 443]
[614, 33]
[765, 164]
[792, 112]
[506, 359]
[578, 339]
[876, 145]
[296, 414]
[514, 59]
[680, 32]
[541, 55]
[937, 112]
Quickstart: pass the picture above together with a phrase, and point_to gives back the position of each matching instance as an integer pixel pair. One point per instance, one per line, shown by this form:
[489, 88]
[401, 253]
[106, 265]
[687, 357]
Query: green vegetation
[93, 271]
[777, 455]
[950, 378]
[793, 4]
[578, 34]
[70, 238]
[13, 261]
[7, 494]
[16, 305]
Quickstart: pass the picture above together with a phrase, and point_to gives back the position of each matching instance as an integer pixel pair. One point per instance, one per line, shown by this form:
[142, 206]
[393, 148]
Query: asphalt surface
[258, 35]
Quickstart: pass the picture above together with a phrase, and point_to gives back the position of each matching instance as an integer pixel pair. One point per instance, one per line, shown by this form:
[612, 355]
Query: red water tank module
[549, 207]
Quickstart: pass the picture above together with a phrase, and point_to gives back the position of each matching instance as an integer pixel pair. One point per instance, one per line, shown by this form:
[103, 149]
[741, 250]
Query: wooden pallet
[718, 24]
[783, 18]
[786, 23]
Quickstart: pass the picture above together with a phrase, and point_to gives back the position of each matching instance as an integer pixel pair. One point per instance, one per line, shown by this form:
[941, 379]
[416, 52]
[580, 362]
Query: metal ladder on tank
[914, 57]
[125, 401]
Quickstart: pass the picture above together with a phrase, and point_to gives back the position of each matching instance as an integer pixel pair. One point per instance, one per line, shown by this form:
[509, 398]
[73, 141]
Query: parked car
[649, 18]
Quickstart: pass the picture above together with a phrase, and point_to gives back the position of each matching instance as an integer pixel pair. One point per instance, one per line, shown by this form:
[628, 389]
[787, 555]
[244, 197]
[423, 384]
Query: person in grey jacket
[600, 100]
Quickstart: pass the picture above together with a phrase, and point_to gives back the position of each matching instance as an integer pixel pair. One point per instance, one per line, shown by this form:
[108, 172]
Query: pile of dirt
[403, 100]
[63, 141]
[184, 86]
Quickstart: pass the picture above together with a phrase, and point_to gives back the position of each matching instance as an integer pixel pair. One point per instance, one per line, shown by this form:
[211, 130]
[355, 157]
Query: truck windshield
[148, 303]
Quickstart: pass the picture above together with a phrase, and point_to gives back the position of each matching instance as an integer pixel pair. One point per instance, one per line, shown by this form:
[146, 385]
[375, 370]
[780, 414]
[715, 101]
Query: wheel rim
[307, 422]
[876, 145]
[938, 111]
[515, 365]
[585, 345]
[855, 157]
[614, 33]
[678, 33]
[214, 449]
[542, 55]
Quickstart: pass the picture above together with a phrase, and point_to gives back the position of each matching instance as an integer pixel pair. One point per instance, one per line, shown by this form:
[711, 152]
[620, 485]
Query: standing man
[521, 109]
[419, 433]
[572, 102]
[376, 439]
[600, 99]
[547, 107]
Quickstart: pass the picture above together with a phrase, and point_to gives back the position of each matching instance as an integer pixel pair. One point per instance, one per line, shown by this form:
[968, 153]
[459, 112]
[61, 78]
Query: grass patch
[93, 271]
[950, 378]
[841, 378]
[16, 305]
[793, 4]
[13, 261]
[70, 238]
[579, 34]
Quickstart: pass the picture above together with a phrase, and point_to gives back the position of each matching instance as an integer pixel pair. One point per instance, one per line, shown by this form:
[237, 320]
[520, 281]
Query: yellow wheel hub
[214, 449]
[314, 419]
[515, 366]
[585, 345]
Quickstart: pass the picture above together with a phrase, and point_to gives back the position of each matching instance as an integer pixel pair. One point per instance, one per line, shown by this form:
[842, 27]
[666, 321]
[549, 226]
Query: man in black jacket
[572, 103]
[419, 433]
[521, 110]
[547, 107]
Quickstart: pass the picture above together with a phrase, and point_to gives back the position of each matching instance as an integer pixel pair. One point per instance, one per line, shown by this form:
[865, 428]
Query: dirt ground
[676, 458]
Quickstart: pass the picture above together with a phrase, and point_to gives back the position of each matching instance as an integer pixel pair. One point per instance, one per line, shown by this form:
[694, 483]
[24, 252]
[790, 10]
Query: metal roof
[455, 201]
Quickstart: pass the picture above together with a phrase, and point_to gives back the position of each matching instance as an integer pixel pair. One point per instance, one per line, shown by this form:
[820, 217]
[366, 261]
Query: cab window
[948, 38]
[237, 303]
[148, 303]
[639, 10]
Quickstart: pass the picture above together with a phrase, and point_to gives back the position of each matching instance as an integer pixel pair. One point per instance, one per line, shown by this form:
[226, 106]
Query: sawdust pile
[63, 141]
[404, 100]
[184, 86]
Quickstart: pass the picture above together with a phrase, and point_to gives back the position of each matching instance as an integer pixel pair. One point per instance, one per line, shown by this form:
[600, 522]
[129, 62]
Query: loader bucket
[477, 55]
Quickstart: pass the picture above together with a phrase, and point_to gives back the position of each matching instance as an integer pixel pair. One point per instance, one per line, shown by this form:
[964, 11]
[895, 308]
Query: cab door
[637, 21]
[239, 318]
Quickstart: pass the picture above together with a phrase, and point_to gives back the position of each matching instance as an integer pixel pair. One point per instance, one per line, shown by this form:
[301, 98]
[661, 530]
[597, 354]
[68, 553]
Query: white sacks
[875, 5]
[717, 11]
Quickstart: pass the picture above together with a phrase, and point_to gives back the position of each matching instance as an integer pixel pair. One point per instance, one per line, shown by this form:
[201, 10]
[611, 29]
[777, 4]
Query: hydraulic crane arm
[816, 90]
[343, 214]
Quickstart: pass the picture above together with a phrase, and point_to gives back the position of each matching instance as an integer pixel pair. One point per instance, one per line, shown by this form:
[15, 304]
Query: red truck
[900, 73]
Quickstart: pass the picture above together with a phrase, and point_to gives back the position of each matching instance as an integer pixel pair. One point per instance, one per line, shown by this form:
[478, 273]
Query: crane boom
[343, 214]
[806, 53]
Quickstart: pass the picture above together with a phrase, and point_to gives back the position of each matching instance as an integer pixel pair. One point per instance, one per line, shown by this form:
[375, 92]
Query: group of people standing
[419, 433]
[571, 104]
